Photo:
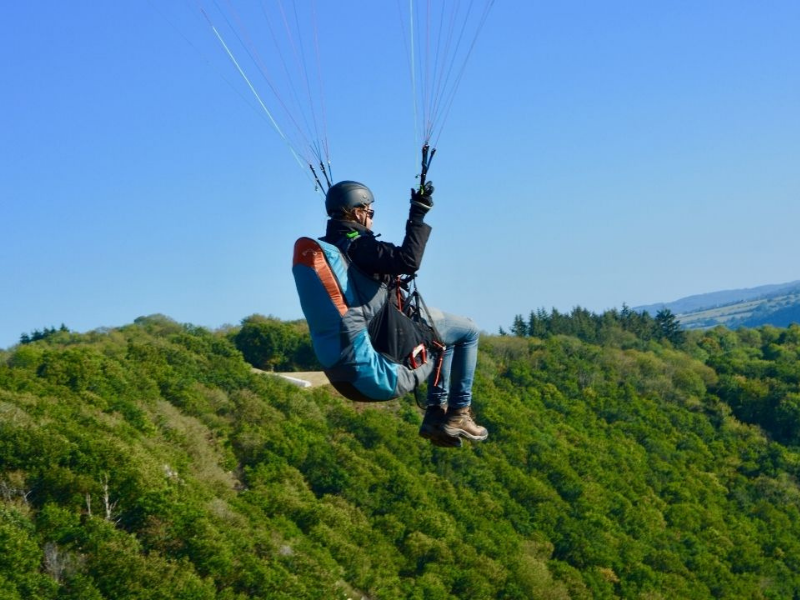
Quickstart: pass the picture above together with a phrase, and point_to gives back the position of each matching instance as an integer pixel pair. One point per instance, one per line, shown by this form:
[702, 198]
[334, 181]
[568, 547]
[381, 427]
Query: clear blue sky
[598, 153]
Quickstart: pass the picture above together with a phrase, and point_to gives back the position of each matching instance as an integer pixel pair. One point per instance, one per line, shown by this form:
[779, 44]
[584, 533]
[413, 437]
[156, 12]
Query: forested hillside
[150, 462]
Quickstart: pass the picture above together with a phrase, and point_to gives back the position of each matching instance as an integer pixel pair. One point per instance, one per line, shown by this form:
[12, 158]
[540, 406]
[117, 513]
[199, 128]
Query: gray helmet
[346, 195]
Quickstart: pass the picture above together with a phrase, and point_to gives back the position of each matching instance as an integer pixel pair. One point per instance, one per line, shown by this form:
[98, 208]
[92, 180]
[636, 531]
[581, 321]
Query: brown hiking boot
[431, 428]
[459, 423]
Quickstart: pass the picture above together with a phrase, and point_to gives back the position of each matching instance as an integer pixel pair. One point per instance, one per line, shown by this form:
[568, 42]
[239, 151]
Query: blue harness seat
[339, 301]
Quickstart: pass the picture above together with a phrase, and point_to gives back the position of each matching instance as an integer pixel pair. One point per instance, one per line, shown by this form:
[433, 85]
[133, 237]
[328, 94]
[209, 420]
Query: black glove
[424, 198]
[421, 203]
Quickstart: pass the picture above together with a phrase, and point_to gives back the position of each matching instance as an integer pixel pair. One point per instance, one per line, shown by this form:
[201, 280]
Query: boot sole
[437, 439]
[455, 443]
[460, 433]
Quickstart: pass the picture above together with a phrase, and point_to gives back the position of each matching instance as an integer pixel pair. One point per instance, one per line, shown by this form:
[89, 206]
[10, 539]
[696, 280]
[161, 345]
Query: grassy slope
[740, 313]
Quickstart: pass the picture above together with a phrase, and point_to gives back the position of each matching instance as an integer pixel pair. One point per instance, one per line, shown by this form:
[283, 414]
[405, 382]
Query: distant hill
[777, 304]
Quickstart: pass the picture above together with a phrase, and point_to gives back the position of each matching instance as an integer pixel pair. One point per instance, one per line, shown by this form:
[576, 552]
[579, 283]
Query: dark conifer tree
[668, 327]
[519, 328]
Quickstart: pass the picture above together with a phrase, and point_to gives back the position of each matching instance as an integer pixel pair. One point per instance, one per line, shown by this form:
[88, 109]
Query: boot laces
[468, 415]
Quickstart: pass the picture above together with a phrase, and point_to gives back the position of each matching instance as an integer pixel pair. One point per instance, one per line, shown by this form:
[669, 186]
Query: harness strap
[397, 286]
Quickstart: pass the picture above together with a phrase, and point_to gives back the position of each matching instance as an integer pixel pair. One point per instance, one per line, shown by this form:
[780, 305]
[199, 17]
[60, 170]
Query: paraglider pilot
[448, 417]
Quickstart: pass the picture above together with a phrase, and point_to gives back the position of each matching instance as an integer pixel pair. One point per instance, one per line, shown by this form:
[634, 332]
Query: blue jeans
[460, 336]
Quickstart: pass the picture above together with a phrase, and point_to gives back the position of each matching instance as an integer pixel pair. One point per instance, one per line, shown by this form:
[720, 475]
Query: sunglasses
[369, 211]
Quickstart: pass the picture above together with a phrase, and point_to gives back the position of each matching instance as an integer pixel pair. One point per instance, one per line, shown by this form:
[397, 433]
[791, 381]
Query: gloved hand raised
[421, 203]
[423, 199]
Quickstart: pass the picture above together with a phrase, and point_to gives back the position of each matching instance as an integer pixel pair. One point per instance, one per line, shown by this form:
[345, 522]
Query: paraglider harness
[402, 330]
[375, 339]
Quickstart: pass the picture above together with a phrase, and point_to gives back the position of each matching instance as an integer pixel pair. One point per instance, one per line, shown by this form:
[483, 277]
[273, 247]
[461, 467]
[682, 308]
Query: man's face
[364, 215]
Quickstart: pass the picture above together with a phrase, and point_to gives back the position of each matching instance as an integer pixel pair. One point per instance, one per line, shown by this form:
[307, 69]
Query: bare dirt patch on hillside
[315, 378]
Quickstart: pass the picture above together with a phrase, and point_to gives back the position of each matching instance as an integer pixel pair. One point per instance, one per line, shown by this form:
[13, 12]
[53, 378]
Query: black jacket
[380, 258]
